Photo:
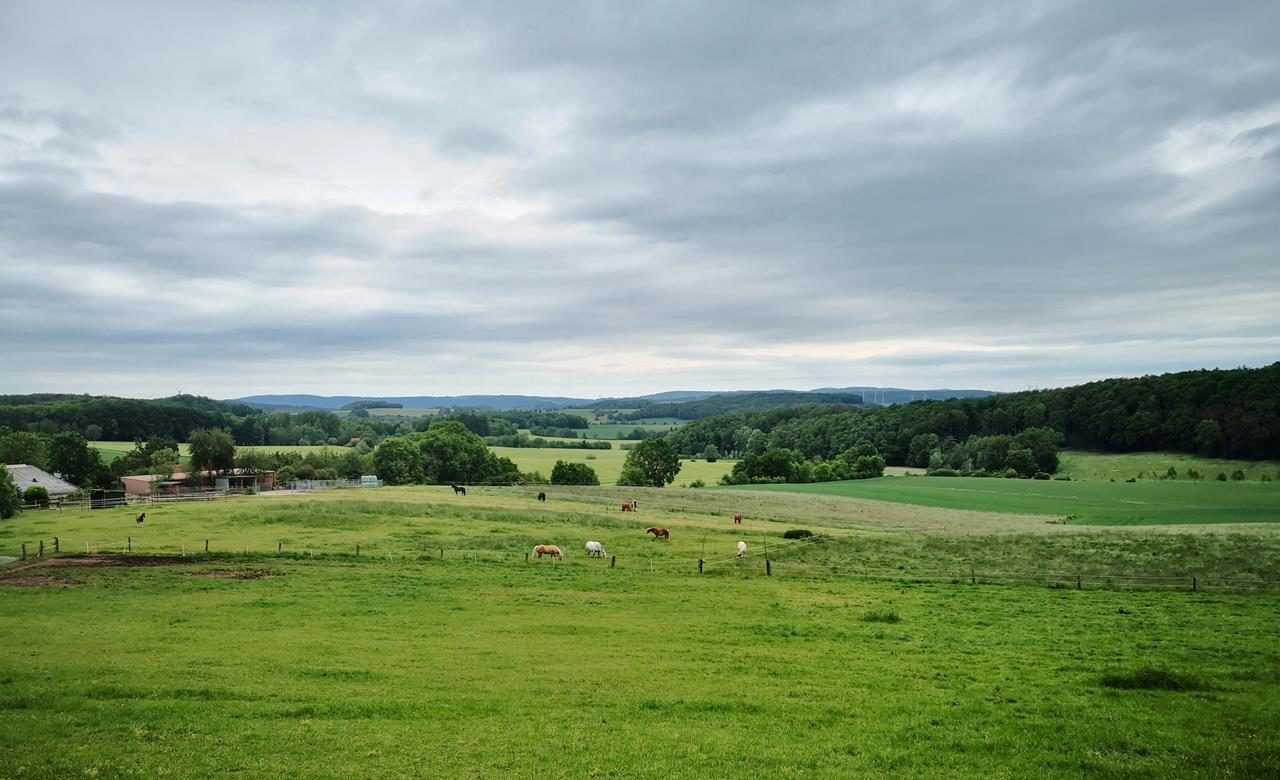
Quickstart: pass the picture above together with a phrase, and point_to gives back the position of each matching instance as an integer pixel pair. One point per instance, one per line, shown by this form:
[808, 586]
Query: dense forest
[730, 403]
[1227, 413]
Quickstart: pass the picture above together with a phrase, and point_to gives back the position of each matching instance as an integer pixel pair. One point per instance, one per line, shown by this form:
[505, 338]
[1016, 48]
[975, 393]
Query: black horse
[459, 489]
[542, 496]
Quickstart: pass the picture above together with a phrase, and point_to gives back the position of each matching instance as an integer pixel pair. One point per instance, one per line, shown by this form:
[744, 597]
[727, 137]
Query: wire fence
[756, 563]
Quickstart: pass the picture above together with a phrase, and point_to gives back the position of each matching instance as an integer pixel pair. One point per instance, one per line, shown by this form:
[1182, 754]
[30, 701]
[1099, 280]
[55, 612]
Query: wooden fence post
[1194, 585]
[129, 543]
[41, 553]
[1078, 584]
[442, 553]
[526, 557]
[279, 547]
[973, 578]
[206, 545]
[768, 567]
[699, 565]
[56, 545]
[357, 551]
[24, 551]
[613, 562]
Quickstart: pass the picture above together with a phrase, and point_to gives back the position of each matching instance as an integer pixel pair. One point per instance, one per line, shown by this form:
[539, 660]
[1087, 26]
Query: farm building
[141, 484]
[25, 476]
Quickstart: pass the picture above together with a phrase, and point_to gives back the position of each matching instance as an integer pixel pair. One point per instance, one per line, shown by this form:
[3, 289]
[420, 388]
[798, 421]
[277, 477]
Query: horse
[742, 549]
[626, 507]
[142, 516]
[459, 489]
[635, 505]
[737, 518]
[542, 496]
[548, 549]
[595, 550]
[658, 533]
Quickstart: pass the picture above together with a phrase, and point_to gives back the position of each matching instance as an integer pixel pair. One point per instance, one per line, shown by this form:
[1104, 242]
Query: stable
[25, 476]
[238, 480]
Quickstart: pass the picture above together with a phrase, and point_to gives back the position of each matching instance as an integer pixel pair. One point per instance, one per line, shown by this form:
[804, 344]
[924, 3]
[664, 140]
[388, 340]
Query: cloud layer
[591, 199]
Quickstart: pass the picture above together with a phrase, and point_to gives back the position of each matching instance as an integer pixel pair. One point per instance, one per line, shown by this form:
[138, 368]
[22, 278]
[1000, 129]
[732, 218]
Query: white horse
[595, 550]
[742, 549]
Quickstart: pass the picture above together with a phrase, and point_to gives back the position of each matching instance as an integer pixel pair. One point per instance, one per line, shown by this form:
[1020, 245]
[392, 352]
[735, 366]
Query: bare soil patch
[118, 560]
[236, 574]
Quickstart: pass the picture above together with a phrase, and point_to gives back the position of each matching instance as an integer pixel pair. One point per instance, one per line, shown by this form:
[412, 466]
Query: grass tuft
[882, 616]
[1153, 678]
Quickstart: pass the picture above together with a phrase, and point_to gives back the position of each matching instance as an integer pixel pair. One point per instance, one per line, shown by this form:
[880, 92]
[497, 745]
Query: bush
[36, 494]
[1011, 473]
[1193, 474]
[882, 616]
[565, 473]
[697, 483]
[1041, 475]
[797, 533]
[1222, 476]
[1065, 478]
[1237, 476]
[943, 473]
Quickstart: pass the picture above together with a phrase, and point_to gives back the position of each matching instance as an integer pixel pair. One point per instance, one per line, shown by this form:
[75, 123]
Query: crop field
[1155, 465]
[398, 663]
[607, 463]
[1082, 502]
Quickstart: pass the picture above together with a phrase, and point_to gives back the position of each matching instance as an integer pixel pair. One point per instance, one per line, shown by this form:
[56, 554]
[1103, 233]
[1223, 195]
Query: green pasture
[429, 412]
[619, 430]
[401, 664]
[1155, 465]
[607, 463]
[1083, 502]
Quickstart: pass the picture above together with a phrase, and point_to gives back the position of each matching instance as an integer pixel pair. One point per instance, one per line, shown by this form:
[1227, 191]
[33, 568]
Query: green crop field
[607, 463]
[400, 664]
[1085, 502]
[1155, 465]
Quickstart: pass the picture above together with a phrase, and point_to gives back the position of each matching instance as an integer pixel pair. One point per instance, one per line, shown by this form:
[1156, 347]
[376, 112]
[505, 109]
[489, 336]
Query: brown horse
[659, 533]
[626, 507]
[141, 518]
[548, 549]
[737, 519]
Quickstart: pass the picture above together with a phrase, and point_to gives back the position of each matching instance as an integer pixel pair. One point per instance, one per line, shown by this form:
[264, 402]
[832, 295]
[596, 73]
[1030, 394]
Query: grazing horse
[658, 533]
[635, 505]
[595, 550]
[742, 549]
[548, 549]
[142, 516]
[542, 496]
[626, 506]
[459, 489]
[737, 519]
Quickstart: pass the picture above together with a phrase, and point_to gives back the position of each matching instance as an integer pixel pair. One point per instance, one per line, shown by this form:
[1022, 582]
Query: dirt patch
[236, 574]
[33, 581]
[118, 560]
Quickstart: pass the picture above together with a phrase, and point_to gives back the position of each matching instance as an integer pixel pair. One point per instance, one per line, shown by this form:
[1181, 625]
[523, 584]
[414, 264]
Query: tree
[212, 449]
[711, 453]
[867, 467]
[23, 447]
[651, 462]
[10, 500]
[72, 457]
[1021, 460]
[398, 462]
[1209, 439]
[573, 474]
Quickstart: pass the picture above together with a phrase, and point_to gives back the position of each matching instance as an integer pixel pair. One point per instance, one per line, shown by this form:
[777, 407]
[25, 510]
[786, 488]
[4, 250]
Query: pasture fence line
[751, 565]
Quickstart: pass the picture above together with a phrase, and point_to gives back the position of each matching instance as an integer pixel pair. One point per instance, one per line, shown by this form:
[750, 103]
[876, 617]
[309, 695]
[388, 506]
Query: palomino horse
[737, 519]
[458, 489]
[658, 533]
[548, 549]
[742, 549]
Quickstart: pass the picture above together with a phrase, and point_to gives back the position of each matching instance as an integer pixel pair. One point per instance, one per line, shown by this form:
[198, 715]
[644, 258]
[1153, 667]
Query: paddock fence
[757, 563]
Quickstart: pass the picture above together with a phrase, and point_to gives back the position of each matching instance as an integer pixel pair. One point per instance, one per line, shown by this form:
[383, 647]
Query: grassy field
[1083, 502]
[1155, 465]
[110, 450]
[430, 412]
[607, 463]
[400, 664]
[618, 430]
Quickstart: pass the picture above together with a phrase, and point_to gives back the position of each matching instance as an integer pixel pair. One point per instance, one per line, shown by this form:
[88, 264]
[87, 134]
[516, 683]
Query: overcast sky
[612, 198]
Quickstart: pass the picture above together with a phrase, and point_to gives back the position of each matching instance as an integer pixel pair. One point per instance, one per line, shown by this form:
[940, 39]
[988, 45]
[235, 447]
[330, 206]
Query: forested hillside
[729, 403]
[1226, 413]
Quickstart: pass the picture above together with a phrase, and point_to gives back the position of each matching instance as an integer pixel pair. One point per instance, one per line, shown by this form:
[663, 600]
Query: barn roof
[25, 476]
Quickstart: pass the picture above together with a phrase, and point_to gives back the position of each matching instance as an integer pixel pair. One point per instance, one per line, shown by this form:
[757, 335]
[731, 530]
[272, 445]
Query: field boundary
[755, 564]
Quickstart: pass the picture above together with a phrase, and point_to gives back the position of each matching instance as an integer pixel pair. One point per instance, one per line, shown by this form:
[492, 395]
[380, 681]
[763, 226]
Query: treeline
[66, 453]
[730, 403]
[537, 442]
[1220, 413]
[102, 418]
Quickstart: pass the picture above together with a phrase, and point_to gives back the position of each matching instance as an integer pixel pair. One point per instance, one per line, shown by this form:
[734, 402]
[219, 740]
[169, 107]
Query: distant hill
[871, 395]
